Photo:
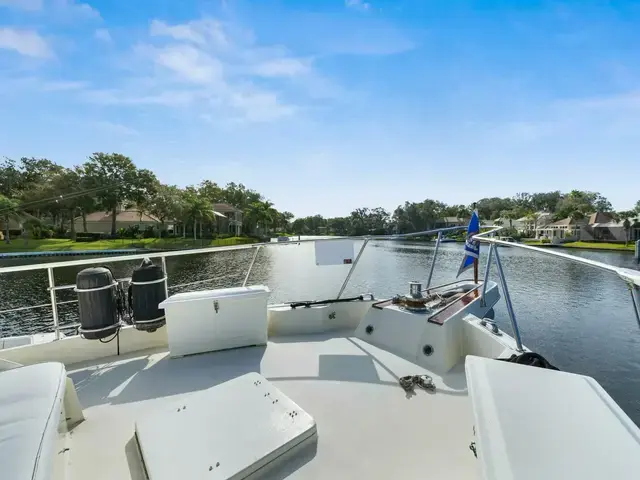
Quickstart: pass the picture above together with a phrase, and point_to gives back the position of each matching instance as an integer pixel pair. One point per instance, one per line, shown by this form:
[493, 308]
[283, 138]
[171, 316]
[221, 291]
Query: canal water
[579, 318]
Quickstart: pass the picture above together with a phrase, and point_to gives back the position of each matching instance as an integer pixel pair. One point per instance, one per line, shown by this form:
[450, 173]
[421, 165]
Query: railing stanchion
[54, 305]
[433, 263]
[487, 269]
[635, 298]
[166, 276]
[253, 260]
[353, 266]
[507, 300]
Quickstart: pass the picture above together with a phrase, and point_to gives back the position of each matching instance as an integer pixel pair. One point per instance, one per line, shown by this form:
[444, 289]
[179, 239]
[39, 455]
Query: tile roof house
[100, 222]
[228, 218]
[600, 217]
[451, 222]
[542, 218]
[567, 229]
[603, 227]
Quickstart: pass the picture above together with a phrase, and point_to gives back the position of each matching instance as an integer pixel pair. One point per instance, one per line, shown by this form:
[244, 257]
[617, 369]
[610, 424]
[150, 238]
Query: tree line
[40, 194]
[429, 214]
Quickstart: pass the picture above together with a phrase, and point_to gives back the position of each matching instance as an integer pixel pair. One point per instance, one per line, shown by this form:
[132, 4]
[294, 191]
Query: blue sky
[325, 106]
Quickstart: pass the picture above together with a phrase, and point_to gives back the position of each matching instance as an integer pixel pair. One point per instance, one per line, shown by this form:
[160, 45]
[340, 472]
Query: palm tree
[198, 209]
[626, 225]
[532, 218]
[576, 215]
[463, 212]
[253, 215]
[10, 210]
[166, 205]
[510, 215]
[286, 218]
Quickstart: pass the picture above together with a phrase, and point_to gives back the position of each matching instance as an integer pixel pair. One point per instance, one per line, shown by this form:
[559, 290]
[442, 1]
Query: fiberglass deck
[367, 426]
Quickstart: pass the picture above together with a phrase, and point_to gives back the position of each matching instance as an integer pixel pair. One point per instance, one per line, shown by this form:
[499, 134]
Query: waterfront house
[228, 218]
[518, 224]
[14, 226]
[604, 228]
[567, 229]
[100, 222]
[528, 225]
[445, 222]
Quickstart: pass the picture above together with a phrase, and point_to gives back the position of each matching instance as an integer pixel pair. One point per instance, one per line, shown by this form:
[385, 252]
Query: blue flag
[471, 247]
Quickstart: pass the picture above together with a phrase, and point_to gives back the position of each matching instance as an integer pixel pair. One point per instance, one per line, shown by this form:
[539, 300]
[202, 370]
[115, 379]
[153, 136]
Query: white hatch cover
[233, 292]
[532, 424]
[225, 432]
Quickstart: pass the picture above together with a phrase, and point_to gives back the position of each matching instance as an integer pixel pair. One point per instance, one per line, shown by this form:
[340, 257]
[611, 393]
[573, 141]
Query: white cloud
[65, 8]
[30, 5]
[202, 32]
[103, 35]
[190, 63]
[71, 9]
[281, 67]
[116, 128]
[215, 69]
[25, 42]
[358, 5]
[165, 98]
[260, 106]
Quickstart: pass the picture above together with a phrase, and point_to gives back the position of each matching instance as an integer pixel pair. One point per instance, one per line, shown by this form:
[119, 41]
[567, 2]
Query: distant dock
[69, 253]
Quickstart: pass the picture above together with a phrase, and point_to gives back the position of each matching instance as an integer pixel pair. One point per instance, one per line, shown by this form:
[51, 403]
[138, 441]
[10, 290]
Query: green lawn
[58, 244]
[601, 245]
[590, 245]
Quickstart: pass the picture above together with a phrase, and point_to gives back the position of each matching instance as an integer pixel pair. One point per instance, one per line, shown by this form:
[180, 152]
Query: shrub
[38, 232]
[545, 240]
[129, 232]
[149, 232]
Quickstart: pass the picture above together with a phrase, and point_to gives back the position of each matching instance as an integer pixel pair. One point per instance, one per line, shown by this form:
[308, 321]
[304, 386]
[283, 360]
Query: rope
[409, 382]
[529, 358]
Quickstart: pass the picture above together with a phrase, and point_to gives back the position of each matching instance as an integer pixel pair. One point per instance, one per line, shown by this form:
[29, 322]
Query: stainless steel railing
[53, 288]
[630, 277]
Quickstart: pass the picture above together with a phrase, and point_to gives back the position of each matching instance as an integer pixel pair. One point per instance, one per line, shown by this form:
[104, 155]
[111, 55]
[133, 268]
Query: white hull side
[408, 334]
[283, 320]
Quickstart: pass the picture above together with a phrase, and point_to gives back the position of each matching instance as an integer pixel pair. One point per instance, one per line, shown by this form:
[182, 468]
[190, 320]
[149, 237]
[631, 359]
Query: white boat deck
[368, 427]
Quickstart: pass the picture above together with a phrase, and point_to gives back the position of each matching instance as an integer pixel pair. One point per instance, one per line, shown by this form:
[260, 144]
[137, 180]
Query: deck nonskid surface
[367, 426]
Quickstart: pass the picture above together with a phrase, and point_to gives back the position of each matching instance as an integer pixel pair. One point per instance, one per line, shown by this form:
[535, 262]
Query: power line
[60, 198]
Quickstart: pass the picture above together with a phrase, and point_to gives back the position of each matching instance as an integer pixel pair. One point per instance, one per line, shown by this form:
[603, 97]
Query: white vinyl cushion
[31, 401]
[537, 424]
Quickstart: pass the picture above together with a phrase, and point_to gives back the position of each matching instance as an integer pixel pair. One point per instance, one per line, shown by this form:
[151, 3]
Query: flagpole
[475, 270]
[475, 261]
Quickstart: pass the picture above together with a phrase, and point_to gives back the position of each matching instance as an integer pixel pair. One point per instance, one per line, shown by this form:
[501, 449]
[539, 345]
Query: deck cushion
[31, 402]
[534, 423]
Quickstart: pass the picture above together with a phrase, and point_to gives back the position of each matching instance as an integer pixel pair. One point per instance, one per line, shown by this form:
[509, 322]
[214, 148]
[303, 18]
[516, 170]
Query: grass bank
[588, 245]
[61, 244]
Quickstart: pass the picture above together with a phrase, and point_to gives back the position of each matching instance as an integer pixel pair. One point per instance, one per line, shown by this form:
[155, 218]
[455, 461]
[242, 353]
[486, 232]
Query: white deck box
[210, 320]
